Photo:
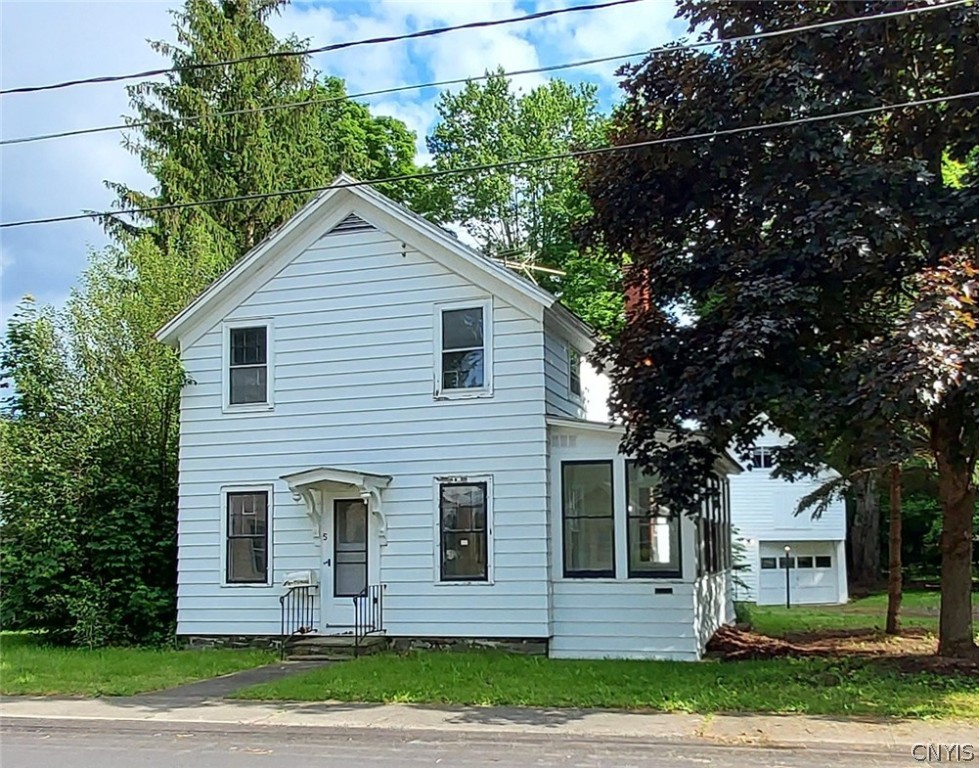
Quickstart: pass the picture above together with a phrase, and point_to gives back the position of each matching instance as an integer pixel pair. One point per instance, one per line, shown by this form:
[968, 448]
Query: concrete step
[336, 641]
[333, 647]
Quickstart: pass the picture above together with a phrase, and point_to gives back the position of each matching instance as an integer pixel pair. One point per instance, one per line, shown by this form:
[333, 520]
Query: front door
[345, 571]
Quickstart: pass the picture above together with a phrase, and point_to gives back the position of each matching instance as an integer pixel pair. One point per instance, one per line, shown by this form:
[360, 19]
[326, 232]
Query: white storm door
[345, 563]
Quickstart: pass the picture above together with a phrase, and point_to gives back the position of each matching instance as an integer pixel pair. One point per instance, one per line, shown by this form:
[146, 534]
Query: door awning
[312, 485]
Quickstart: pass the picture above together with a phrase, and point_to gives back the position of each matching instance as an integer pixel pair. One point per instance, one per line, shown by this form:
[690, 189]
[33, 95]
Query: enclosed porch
[629, 578]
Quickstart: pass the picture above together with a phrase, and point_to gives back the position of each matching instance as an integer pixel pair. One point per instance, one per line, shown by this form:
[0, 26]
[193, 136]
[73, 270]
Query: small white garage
[764, 514]
[813, 572]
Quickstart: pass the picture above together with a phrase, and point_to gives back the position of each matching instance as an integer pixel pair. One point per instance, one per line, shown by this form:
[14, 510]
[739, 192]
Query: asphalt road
[105, 744]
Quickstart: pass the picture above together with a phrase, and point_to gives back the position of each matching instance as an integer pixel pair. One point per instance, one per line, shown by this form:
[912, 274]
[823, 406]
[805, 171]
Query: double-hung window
[587, 513]
[574, 374]
[653, 531]
[247, 537]
[247, 374]
[463, 357]
[463, 531]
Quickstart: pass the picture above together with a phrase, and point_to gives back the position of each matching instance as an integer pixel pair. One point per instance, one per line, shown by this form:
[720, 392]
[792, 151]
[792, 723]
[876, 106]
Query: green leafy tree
[525, 214]
[788, 271]
[41, 443]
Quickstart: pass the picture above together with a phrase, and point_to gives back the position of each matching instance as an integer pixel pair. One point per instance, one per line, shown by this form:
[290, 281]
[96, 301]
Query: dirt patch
[739, 643]
[911, 651]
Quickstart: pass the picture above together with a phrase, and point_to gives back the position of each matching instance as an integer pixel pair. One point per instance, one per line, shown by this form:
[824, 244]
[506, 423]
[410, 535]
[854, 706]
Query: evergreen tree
[195, 151]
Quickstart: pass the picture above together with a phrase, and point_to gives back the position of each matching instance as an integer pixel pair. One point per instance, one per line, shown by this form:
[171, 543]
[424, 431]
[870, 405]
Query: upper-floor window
[588, 516]
[574, 373]
[248, 380]
[463, 357]
[762, 458]
[653, 531]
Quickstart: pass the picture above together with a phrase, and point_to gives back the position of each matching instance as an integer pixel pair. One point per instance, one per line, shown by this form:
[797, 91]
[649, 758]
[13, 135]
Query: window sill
[246, 585]
[488, 583]
[249, 408]
[463, 394]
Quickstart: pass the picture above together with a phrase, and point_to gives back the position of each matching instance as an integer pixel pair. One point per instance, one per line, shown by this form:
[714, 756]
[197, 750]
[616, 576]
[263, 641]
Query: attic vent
[564, 441]
[353, 223]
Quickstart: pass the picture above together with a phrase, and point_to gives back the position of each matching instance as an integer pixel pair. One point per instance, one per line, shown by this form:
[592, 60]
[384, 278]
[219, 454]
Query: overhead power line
[503, 164]
[322, 49]
[478, 78]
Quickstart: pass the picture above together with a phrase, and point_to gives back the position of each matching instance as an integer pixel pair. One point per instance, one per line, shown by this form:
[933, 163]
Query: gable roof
[334, 207]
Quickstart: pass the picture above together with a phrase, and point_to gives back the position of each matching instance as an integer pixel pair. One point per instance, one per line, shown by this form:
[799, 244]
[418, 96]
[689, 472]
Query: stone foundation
[261, 642]
[526, 646]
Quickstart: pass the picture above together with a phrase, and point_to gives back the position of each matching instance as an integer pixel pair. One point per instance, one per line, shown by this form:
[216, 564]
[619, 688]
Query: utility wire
[477, 78]
[322, 49]
[502, 164]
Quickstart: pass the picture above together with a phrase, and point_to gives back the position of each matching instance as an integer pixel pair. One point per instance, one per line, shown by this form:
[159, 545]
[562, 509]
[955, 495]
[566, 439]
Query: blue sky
[49, 41]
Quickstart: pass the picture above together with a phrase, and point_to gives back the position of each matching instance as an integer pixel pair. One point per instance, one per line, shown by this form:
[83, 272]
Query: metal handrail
[296, 610]
[368, 614]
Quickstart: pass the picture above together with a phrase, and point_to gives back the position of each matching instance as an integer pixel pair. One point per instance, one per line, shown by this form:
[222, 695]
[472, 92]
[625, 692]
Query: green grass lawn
[818, 686]
[29, 667]
[778, 621]
[918, 609]
[812, 686]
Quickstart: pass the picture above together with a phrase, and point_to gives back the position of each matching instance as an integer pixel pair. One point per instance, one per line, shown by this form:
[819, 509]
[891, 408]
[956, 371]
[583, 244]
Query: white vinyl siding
[353, 368]
[560, 401]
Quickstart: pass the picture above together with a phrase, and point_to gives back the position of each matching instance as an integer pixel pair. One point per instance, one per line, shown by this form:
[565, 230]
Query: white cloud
[6, 260]
[46, 42]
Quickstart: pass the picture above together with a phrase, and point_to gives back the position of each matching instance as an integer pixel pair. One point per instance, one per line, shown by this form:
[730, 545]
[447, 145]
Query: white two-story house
[377, 412]
[763, 511]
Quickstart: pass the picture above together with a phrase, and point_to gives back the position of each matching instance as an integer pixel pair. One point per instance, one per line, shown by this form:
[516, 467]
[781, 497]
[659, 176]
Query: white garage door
[813, 573]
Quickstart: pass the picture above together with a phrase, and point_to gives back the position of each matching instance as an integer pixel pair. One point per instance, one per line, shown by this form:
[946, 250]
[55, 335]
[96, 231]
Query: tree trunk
[958, 499]
[894, 552]
[865, 532]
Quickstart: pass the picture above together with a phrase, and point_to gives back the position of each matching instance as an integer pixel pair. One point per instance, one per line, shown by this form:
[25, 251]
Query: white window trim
[763, 450]
[226, 327]
[436, 499]
[571, 353]
[486, 304]
[270, 575]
